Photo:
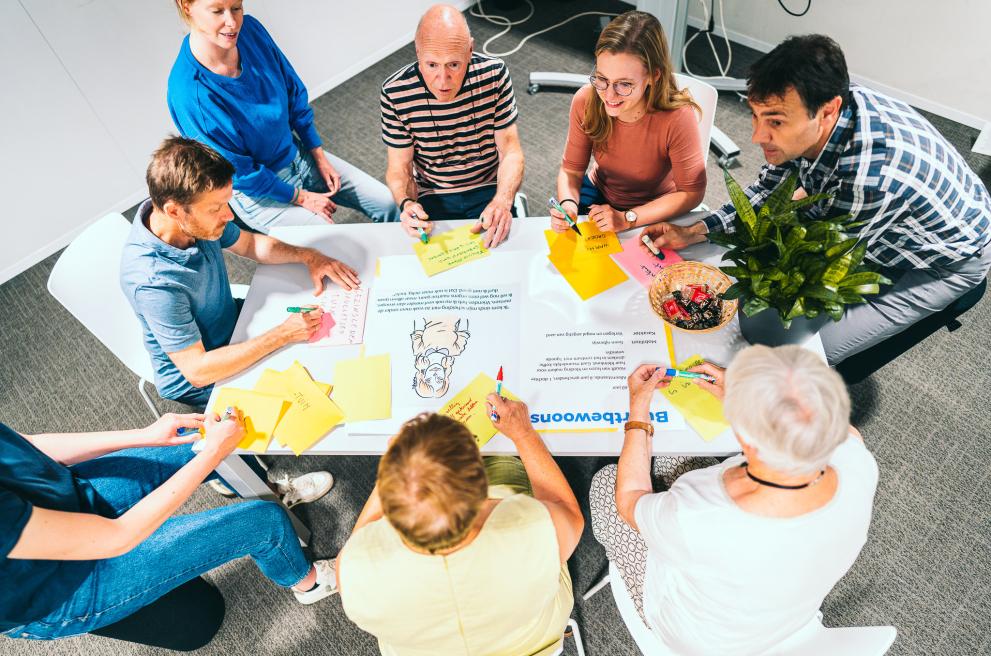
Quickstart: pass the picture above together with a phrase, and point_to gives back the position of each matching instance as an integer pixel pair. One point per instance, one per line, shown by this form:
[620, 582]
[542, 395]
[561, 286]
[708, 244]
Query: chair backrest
[86, 280]
[706, 96]
[812, 640]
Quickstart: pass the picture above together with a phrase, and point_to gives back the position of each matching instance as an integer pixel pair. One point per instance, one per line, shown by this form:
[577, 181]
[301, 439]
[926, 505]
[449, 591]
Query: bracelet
[402, 203]
[568, 200]
[295, 196]
[640, 425]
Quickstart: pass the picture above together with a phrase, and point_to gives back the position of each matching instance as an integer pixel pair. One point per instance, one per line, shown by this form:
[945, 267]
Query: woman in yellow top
[456, 555]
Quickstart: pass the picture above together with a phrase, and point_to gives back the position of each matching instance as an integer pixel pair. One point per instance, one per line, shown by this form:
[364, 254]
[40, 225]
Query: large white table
[360, 246]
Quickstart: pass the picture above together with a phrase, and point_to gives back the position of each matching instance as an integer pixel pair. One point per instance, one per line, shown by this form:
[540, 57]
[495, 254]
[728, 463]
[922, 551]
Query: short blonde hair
[432, 482]
[789, 404]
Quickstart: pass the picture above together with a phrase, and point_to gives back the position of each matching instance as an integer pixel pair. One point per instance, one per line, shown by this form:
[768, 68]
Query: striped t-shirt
[453, 143]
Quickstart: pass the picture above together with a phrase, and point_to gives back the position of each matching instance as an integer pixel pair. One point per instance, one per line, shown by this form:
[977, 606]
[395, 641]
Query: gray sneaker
[305, 488]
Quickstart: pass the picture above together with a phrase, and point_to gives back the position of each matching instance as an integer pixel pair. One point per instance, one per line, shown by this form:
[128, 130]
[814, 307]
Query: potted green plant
[792, 273]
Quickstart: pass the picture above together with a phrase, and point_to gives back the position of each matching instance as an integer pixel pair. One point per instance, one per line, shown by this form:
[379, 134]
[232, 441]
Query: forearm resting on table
[269, 250]
[73, 448]
[511, 164]
[201, 367]
[56, 535]
[569, 185]
[668, 206]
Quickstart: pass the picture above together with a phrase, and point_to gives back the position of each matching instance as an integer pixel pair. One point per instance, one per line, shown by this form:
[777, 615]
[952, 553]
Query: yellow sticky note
[261, 414]
[311, 415]
[363, 387]
[592, 241]
[277, 382]
[449, 249]
[701, 410]
[589, 276]
[469, 407]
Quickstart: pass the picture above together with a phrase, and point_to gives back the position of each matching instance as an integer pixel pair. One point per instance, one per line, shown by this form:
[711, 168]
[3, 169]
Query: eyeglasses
[621, 88]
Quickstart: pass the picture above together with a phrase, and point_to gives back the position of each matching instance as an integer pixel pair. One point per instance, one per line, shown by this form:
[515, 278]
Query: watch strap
[640, 425]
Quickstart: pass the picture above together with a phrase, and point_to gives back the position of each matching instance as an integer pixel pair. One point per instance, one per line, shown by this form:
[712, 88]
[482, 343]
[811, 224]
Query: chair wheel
[533, 88]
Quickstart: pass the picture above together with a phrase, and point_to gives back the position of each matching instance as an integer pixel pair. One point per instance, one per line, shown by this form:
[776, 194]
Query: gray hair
[789, 405]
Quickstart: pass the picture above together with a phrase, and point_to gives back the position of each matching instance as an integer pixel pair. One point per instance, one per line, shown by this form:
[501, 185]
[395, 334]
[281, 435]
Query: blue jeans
[590, 195]
[359, 191]
[181, 549]
[458, 205]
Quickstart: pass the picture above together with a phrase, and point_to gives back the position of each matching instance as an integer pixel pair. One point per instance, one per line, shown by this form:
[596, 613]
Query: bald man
[449, 122]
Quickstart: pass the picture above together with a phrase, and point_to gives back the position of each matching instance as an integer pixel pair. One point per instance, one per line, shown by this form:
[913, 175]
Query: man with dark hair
[925, 213]
[173, 273]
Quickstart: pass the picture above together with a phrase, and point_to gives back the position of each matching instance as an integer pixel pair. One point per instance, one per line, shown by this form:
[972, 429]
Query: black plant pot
[766, 328]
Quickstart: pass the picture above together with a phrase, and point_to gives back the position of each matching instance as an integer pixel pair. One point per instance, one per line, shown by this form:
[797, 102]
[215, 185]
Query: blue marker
[184, 431]
[677, 373]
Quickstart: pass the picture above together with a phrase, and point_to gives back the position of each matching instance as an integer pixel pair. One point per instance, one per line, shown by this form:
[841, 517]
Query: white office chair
[811, 640]
[576, 634]
[86, 280]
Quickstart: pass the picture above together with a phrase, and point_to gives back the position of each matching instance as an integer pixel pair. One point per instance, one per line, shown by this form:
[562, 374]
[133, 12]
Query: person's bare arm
[497, 217]
[370, 513]
[73, 448]
[201, 367]
[633, 475]
[550, 487]
[59, 535]
[269, 250]
[399, 179]
[667, 207]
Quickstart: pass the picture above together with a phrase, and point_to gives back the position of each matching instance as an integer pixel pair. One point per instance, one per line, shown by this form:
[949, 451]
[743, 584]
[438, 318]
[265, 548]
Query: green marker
[424, 237]
[303, 310]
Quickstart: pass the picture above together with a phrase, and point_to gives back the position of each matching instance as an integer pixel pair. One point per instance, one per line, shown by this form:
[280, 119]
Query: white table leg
[249, 485]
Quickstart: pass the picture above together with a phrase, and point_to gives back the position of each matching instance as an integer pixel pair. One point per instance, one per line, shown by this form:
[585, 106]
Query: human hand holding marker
[559, 215]
[302, 323]
[512, 417]
[223, 434]
[172, 429]
[642, 382]
[416, 221]
[716, 373]
[492, 415]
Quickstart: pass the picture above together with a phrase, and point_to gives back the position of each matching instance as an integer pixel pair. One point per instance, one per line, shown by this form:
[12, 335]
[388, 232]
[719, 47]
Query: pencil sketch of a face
[435, 345]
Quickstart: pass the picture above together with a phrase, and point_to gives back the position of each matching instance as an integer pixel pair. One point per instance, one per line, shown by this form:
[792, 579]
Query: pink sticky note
[326, 325]
[641, 265]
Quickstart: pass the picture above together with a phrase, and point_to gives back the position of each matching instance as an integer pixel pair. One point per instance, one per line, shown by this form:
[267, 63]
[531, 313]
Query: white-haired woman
[733, 558]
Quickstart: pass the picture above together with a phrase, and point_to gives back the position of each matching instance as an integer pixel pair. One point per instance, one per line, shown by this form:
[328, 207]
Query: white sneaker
[305, 488]
[326, 583]
[221, 489]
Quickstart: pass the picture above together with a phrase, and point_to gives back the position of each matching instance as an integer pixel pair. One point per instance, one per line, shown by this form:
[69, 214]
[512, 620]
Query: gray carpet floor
[926, 568]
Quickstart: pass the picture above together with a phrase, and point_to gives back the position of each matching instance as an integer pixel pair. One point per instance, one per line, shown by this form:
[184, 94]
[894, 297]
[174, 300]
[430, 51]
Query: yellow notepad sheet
[261, 414]
[449, 249]
[311, 415]
[363, 387]
[592, 241]
[589, 276]
[277, 382]
[702, 411]
[469, 407]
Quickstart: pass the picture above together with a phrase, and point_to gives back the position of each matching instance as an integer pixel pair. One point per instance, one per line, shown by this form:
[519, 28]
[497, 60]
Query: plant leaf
[744, 210]
[755, 305]
[736, 290]
[737, 272]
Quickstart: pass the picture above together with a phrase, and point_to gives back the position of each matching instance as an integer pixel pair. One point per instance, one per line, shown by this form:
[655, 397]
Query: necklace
[761, 481]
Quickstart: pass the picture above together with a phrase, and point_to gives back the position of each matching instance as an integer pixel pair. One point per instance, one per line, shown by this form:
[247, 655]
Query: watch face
[631, 216]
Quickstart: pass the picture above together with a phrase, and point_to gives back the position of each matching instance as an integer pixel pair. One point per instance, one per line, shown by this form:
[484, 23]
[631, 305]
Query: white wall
[933, 54]
[84, 97]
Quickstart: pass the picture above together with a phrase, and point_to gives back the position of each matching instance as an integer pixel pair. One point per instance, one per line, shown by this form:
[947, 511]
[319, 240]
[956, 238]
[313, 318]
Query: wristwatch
[631, 217]
[640, 425]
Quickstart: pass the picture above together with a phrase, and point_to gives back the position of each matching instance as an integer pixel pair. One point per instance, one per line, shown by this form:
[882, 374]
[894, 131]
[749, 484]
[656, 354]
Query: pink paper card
[326, 325]
[642, 265]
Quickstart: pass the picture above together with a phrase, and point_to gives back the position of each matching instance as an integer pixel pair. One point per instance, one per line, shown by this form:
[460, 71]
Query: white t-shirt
[724, 581]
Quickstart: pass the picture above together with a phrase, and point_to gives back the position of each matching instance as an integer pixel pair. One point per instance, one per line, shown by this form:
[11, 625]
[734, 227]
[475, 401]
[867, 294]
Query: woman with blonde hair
[641, 129]
[734, 558]
[457, 554]
[232, 88]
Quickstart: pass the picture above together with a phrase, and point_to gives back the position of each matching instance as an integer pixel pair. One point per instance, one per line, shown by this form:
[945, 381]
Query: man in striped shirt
[926, 214]
[449, 122]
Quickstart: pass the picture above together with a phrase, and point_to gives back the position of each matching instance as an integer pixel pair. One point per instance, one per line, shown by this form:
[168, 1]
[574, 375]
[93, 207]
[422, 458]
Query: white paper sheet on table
[348, 309]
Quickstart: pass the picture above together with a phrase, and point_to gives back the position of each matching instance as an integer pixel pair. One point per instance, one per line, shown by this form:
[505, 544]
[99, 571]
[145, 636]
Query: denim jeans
[458, 205]
[359, 191]
[181, 549]
[590, 195]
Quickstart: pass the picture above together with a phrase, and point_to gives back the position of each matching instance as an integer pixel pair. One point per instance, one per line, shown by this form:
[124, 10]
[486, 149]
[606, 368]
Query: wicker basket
[677, 276]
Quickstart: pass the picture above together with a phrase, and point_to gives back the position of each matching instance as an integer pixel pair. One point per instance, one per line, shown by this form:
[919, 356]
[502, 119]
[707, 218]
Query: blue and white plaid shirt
[888, 166]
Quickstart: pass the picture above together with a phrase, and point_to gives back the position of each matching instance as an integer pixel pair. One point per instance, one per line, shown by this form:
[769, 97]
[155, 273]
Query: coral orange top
[655, 155]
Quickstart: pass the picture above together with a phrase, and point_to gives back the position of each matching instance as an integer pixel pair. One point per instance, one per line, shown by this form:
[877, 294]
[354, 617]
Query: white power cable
[723, 70]
[508, 24]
